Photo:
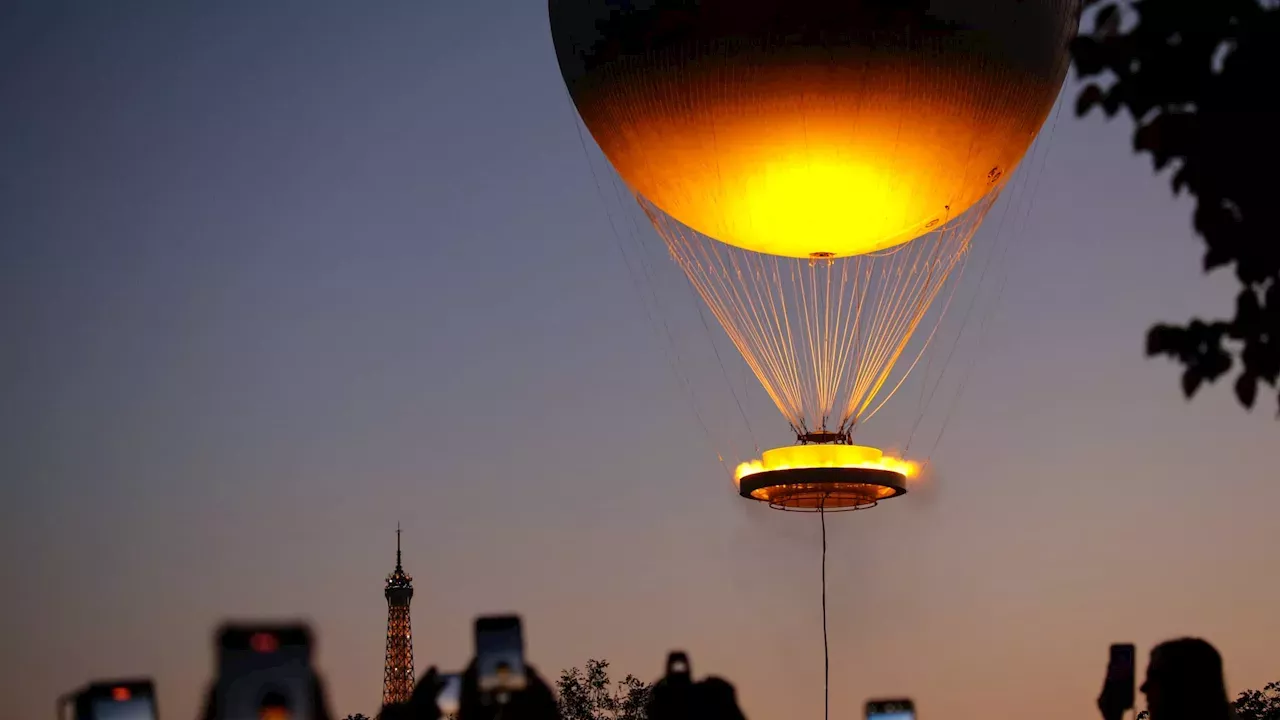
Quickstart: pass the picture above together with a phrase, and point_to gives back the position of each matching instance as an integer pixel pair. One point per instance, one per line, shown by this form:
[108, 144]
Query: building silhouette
[397, 674]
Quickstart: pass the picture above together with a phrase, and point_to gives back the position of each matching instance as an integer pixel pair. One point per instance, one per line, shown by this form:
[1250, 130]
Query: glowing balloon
[817, 168]
[807, 128]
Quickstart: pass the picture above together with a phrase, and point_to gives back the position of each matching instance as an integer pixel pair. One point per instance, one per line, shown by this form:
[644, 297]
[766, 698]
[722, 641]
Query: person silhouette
[677, 697]
[1184, 682]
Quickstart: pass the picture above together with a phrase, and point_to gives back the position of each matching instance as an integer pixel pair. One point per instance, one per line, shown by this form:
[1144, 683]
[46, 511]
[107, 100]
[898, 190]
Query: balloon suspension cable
[829, 338]
[826, 653]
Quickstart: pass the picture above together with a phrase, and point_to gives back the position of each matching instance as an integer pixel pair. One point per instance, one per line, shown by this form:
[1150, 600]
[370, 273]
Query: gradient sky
[275, 276]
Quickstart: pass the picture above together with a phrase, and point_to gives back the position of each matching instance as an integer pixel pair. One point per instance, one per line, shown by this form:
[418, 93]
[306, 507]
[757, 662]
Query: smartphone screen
[678, 669]
[264, 673]
[138, 708]
[449, 700]
[499, 655]
[1121, 673]
[117, 701]
[901, 709]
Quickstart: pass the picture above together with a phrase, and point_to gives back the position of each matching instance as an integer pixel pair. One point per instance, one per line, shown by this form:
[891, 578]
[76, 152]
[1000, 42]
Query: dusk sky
[277, 276]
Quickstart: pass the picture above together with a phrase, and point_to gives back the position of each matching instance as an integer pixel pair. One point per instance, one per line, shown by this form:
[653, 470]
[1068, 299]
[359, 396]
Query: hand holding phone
[117, 700]
[1118, 689]
[264, 673]
[673, 696]
[499, 682]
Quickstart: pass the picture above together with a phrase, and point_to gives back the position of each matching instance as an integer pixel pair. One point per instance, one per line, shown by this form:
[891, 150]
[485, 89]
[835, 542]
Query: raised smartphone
[117, 700]
[500, 667]
[264, 673]
[1121, 674]
[678, 668]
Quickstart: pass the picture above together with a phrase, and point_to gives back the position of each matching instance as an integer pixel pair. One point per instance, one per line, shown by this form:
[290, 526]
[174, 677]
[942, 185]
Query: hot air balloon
[817, 168]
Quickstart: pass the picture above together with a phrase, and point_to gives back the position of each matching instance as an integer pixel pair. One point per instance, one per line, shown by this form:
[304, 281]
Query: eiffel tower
[397, 676]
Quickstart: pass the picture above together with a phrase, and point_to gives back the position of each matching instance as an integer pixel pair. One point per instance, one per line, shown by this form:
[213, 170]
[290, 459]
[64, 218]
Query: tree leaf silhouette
[1196, 79]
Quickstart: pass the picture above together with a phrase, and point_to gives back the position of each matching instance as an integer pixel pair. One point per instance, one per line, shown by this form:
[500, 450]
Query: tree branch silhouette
[1198, 79]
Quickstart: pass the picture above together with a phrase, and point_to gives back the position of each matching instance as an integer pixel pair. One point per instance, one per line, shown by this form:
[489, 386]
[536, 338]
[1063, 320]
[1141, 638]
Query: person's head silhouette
[1185, 682]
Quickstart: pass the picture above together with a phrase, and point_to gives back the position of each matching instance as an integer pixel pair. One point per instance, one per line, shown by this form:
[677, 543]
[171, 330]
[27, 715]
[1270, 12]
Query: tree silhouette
[590, 695]
[1198, 80]
[1261, 704]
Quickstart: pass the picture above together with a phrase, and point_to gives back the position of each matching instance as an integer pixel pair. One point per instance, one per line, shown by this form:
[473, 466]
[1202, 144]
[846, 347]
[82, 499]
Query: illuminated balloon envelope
[817, 168]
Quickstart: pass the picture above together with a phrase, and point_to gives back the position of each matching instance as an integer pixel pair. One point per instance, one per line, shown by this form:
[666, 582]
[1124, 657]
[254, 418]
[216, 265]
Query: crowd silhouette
[1184, 681]
[674, 697]
[265, 673]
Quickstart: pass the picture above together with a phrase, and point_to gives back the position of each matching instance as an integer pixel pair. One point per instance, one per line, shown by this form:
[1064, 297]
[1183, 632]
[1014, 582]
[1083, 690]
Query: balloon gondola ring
[824, 477]
[826, 489]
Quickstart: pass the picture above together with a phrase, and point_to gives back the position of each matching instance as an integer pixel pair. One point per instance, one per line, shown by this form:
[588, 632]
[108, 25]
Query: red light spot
[120, 694]
[264, 642]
